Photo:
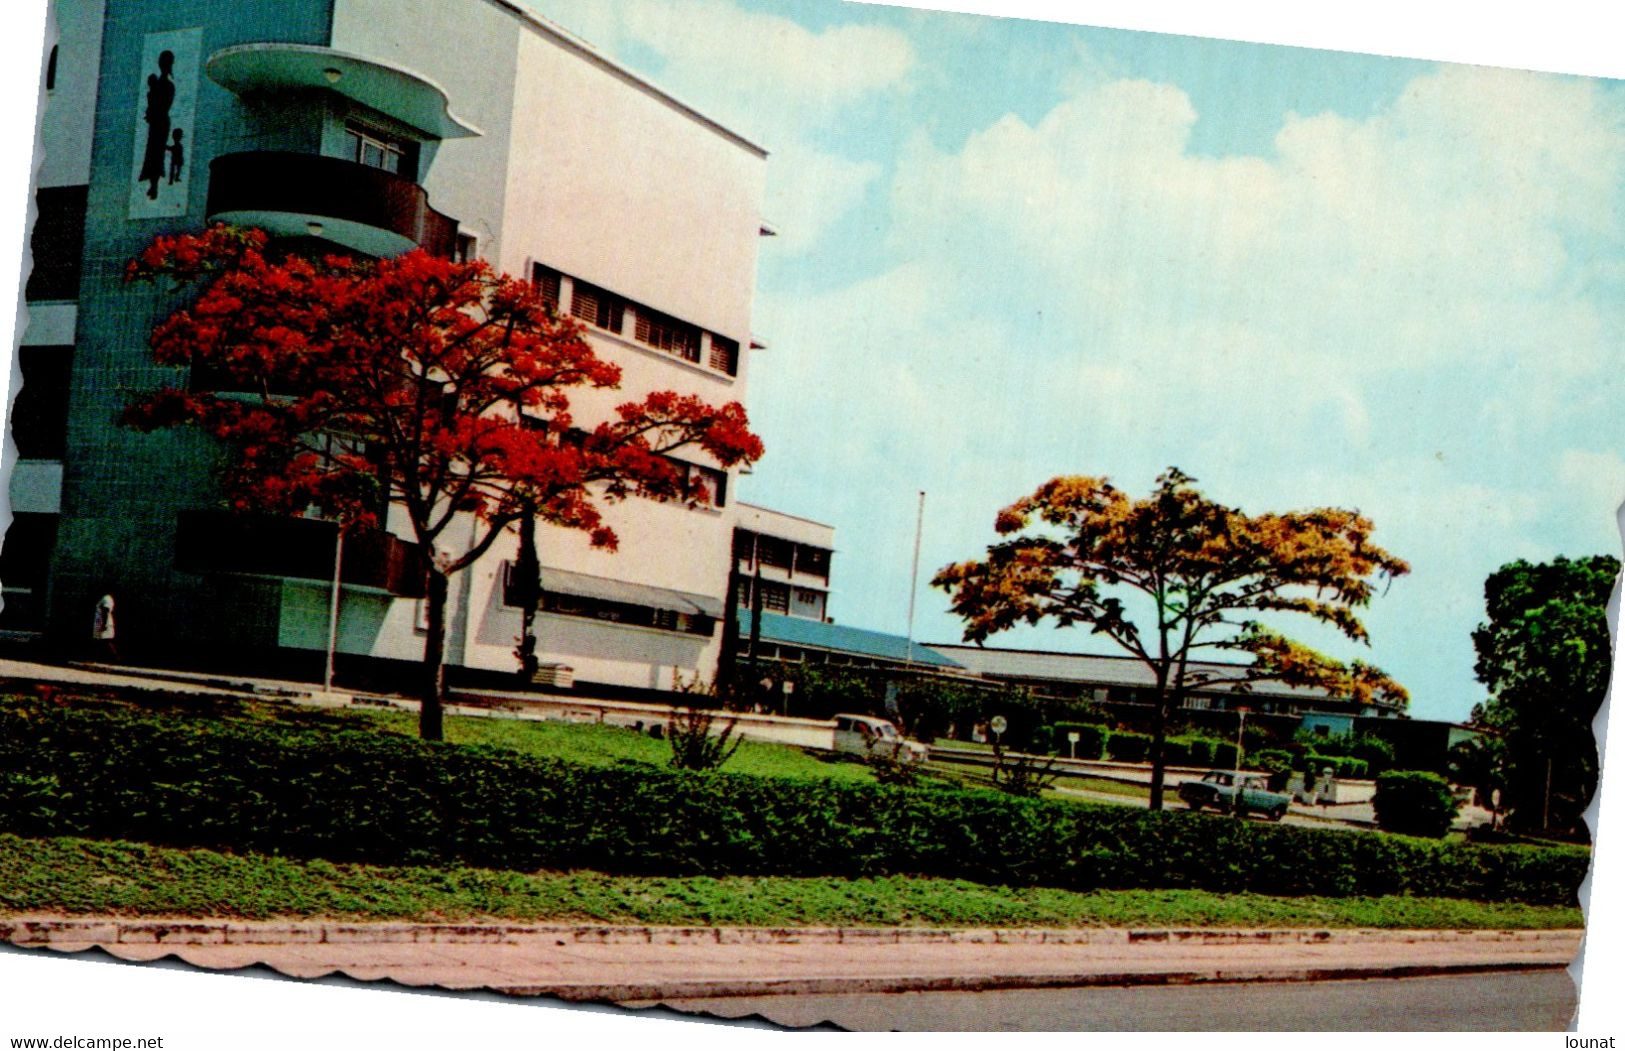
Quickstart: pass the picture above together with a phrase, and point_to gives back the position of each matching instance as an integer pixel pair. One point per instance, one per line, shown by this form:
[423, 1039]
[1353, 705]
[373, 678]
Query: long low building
[1123, 680]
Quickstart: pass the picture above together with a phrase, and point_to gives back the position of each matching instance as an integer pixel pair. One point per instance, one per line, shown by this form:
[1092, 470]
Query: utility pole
[1546, 801]
[914, 578]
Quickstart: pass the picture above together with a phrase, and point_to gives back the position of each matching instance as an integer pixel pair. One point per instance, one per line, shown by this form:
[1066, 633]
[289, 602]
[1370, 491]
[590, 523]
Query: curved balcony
[365, 209]
[401, 93]
[297, 548]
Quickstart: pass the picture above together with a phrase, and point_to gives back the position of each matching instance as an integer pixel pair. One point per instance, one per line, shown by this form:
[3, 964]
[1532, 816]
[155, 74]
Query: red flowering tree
[435, 387]
[1173, 576]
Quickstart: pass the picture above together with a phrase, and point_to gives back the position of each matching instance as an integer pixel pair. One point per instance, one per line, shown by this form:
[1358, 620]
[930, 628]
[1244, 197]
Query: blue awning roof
[837, 638]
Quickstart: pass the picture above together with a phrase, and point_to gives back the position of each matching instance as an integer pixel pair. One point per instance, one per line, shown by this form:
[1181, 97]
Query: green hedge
[1415, 802]
[1126, 747]
[351, 796]
[1091, 739]
[1342, 765]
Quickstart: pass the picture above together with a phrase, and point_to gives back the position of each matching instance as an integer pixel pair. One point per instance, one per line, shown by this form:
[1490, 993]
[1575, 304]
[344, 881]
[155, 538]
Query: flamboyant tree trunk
[728, 653]
[527, 592]
[432, 691]
[1159, 739]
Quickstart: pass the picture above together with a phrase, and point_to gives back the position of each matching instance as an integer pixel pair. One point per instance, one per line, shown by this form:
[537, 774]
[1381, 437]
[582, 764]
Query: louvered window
[775, 597]
[549, 284]
[724, 354]
[813, 561]
[597, 307]
[771, 551]
[668, 334]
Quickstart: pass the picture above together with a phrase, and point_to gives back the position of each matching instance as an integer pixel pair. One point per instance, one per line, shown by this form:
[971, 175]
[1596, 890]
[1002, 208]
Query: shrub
[1376, 753]
[693, 744]
[1224, 755]
[316, 791]
[1415, 803]
[1091, 738]
[1201, 751]
[1341, 766]
[888, 769]
[1022, 775]
[1275, 762]
[1126, 747]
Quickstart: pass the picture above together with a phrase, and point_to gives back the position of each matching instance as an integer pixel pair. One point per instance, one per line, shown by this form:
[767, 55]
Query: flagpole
[914, 577]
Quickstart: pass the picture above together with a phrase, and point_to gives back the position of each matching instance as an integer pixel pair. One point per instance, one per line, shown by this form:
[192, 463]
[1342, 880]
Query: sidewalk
[638, 964]
[115, 675]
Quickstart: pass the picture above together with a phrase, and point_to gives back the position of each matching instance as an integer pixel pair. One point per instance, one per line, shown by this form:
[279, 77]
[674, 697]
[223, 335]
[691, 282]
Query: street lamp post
[1241, 725]
[333, 608]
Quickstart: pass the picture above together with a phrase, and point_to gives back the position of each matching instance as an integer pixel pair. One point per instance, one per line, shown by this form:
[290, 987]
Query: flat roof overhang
[409, 97]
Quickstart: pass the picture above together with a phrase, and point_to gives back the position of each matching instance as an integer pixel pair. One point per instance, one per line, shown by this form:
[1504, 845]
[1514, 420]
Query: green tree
[1196, 575]
[1544, 654]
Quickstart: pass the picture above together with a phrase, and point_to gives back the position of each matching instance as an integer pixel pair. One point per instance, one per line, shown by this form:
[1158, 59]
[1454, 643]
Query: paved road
[1517, 1002]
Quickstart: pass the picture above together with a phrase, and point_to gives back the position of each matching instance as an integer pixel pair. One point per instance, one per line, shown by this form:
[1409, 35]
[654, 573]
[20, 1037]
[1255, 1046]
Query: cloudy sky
[1013, 249]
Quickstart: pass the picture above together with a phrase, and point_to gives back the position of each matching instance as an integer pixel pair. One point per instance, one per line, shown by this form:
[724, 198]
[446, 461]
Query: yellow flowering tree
[1176, 576]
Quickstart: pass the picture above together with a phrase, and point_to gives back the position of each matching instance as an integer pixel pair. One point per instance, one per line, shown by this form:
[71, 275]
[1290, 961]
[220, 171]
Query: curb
[56, 930]
[637, 994]
[1123, 956]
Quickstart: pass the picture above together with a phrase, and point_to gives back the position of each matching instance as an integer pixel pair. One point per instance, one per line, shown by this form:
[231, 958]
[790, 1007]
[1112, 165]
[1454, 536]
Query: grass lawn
[84, 877]
[599, 745]
[1107, 786]
[587, 743]
[965, 775]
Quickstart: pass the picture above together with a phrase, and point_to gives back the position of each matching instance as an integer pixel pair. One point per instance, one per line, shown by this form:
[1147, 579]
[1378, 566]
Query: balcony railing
[311, 188]
[296, 548]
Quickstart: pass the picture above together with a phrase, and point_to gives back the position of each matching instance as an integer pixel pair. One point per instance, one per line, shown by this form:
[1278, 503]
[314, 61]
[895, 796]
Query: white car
[867, 735]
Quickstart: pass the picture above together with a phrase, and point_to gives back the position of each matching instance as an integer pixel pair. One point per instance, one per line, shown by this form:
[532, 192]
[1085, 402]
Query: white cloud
[768, 53]
[764, 74]
[808, 191]
[1438, 230]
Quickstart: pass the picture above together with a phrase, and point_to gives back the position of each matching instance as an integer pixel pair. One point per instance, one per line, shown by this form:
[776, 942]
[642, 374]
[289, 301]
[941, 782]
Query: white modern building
[468, 127]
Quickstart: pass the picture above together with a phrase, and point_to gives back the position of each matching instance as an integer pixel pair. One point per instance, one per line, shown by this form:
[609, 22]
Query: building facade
[467, 127]
[787, 559]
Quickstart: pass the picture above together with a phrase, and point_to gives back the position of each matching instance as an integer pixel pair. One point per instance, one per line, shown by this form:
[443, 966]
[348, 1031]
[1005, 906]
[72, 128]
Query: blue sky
[1014, 249]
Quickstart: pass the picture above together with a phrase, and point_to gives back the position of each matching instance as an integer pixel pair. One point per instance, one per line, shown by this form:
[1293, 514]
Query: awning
[407, 96]
[581, 585]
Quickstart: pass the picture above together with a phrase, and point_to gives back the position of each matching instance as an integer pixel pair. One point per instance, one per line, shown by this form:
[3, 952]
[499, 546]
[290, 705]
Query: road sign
[1072, 735]
[998, 724]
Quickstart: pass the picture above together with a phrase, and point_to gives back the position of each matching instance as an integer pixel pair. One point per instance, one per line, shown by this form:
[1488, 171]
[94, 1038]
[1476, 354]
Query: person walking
[104, 631]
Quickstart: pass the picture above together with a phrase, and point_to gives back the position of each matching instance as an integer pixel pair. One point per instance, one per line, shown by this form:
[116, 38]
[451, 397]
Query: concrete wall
[69, 115]
[786, 527]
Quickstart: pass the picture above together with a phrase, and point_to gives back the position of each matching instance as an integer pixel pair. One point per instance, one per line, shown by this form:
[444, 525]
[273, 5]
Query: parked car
[1230, 792]
[867, 735]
